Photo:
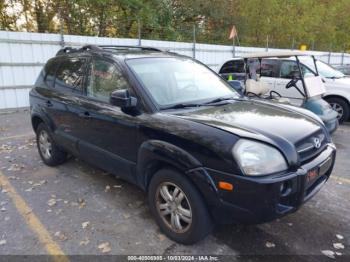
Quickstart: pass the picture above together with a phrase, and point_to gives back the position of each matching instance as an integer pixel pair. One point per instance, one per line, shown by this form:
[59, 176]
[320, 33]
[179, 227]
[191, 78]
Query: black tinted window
[70, 74]
[267, 67]
[49, 72]
[105, 78]
[236, 66]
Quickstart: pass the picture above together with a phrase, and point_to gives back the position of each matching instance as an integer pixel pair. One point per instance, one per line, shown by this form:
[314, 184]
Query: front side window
[105, 78]
[70, 74]
[290, 69]
[179, 80]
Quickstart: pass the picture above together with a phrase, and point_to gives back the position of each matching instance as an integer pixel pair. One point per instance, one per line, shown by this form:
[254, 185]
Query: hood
[345, 81]
[257, 119]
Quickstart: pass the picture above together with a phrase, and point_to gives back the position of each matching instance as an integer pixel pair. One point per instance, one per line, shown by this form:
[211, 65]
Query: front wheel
[341, 107]
[178, 208]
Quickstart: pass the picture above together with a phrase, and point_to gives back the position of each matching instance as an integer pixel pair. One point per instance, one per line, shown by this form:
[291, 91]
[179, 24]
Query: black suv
[173, 127]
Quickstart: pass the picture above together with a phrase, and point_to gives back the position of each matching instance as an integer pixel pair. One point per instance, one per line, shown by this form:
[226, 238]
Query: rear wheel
[341, 107]
[49, 152]
[178, 207]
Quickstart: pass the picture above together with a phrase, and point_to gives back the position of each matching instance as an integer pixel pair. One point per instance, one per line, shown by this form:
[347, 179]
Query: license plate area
[325, 166]
[315, 173]
[312, 175]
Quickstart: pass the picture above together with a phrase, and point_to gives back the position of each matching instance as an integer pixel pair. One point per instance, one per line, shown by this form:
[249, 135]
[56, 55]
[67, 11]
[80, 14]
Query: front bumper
[262, 199]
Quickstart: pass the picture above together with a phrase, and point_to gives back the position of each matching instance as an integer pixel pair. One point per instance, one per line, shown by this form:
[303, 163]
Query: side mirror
[122, 99]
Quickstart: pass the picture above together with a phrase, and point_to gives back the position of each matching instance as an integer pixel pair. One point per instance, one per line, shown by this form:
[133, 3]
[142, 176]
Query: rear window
[70, 74]
[235, 66]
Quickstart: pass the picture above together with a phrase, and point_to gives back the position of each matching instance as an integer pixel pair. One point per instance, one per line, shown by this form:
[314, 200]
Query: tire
[340, 105]
[200, 224]
[53, 156]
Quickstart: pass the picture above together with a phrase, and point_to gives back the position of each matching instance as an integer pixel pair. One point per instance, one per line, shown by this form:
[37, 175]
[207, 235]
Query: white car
[277, 72]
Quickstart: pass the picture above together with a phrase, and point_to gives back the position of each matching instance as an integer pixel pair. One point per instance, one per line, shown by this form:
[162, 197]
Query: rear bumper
[260, 199]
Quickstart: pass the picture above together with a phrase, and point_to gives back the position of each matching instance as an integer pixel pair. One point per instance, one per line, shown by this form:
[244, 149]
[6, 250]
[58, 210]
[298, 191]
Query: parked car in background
[337, 84]
[168, 124]
[345, 69]
[281, 77]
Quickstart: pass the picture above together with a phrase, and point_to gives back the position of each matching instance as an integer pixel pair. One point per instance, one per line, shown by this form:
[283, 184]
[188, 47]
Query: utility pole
[267, 43]
[194, 42]
[139, 31]
[293, 43]
[329, 54]
[61, 27]
[233, 47]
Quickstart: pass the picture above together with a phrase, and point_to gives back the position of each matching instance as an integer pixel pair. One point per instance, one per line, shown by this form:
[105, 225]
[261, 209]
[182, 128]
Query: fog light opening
[285, 188]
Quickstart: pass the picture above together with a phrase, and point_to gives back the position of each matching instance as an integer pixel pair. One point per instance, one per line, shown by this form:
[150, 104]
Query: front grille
[307, 149]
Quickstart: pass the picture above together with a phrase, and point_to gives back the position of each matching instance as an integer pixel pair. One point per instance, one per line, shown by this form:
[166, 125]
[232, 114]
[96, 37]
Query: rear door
[68, 86]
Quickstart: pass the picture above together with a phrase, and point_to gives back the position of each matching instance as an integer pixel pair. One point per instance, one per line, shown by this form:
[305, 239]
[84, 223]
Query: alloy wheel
[338, 108]
[45, 144]
[173, 207]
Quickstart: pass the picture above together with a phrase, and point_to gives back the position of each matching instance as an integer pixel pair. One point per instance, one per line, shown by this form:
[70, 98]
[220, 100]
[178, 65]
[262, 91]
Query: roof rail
[91, 47]
[128, 47]
[67, 49]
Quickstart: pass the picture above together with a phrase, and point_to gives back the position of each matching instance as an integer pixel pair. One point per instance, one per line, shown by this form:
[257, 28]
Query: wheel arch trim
[166, 154]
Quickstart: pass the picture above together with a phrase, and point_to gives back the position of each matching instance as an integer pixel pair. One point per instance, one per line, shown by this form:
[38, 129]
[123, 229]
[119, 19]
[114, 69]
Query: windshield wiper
[212, 102]
[220, 99]
[183, 105]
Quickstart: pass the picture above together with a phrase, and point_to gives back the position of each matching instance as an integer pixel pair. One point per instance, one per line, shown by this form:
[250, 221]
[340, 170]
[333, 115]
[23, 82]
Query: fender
[37, 110]
[341, 92]
[157, 151]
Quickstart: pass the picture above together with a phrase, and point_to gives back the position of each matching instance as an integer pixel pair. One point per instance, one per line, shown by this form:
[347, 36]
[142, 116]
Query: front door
[109, 136]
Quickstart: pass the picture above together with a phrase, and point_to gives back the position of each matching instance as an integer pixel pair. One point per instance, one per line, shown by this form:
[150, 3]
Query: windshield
[324, 69]
[176, 80]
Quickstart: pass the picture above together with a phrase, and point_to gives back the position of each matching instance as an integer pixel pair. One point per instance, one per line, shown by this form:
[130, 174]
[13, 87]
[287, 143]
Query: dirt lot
[75, 209]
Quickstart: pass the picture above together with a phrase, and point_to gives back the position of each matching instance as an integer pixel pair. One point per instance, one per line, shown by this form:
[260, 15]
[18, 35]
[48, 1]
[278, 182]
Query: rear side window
[266, 68]
[49, 72]
[235, 66]
[269, 68]
[70, 74]
[105, 78]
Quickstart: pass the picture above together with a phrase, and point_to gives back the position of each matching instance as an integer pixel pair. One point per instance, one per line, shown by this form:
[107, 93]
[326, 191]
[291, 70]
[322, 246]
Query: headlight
[257, 158]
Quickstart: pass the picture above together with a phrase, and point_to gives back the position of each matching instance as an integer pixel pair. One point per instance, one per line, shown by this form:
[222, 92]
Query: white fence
[22, 56]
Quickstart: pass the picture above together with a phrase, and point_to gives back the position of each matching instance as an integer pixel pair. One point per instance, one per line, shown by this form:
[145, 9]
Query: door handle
[49, 103]
[85, 115]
